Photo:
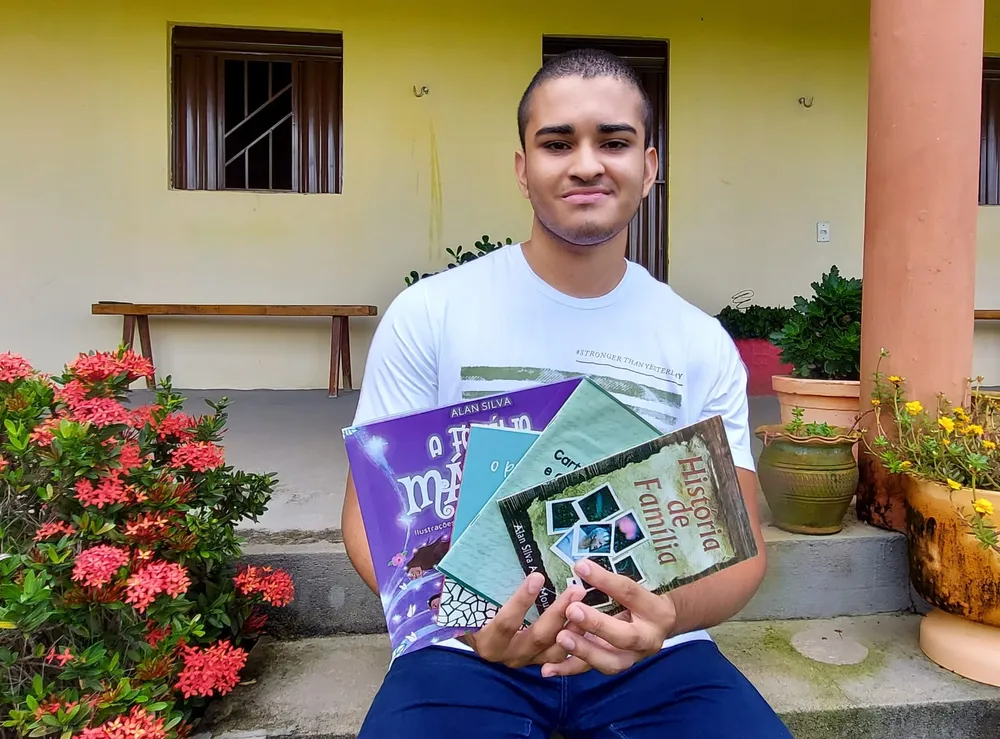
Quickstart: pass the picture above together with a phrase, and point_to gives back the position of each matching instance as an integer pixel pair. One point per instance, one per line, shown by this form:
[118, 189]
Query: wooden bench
[340, 338]
[988, 315]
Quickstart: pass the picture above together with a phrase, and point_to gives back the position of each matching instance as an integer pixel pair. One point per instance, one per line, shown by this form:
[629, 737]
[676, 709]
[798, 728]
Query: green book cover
[481, 568]
[664, 512]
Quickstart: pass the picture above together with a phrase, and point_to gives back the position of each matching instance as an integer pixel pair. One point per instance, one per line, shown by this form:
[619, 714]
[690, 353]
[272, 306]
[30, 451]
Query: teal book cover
[491, 454]
[590, 425]
[664, 513]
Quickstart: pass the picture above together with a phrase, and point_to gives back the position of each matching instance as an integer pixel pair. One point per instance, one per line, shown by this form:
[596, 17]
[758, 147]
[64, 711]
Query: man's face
[584, 167]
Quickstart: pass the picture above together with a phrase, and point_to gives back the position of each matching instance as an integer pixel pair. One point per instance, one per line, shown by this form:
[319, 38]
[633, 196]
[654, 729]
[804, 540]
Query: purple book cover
[408, 470]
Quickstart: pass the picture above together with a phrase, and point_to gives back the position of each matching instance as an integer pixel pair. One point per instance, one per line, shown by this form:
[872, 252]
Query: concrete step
[321, 687]
[860, 571]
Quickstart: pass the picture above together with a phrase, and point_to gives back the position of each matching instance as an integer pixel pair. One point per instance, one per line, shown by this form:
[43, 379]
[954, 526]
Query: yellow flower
[905, 464]
[953, 485]
[960, 413]
[895, 379]
[914, 407]
[974, 429]
[876, 402]
[946, 442]
[946, 423]
[983, 507]
[987, 444]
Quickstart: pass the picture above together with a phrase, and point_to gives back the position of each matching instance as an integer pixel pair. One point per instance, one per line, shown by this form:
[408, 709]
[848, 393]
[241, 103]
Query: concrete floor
[296, 434]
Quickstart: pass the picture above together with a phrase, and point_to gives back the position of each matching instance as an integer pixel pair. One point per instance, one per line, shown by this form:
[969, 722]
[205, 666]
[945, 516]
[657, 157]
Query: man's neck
[580, 272]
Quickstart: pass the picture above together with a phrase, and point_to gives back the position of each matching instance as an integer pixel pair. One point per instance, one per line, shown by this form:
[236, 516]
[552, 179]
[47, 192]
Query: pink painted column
[925, 82]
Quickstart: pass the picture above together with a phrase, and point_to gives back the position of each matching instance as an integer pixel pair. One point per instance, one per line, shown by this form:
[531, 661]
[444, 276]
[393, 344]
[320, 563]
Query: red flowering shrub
[121, 607]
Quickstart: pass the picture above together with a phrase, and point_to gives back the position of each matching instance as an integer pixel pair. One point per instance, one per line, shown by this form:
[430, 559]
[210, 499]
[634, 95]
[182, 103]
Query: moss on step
[768, 648]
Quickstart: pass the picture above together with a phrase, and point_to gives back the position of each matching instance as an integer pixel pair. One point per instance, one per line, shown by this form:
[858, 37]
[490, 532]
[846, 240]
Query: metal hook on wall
[806, 102]
[421, 92]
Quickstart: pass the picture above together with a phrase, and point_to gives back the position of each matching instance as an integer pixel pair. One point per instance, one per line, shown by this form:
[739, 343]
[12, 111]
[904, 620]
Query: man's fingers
[570, 666]
[589, 620]
[615, 631]
[541, 635]
[625, 591]
[495, 637]
[601, 658]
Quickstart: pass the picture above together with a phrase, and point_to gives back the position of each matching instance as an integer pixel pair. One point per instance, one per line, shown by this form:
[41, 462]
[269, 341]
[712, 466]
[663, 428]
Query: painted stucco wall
[86, 212]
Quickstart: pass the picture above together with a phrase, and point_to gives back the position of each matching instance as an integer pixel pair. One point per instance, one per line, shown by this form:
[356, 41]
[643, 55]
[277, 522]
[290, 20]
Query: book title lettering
[662, 531]
[431, 487]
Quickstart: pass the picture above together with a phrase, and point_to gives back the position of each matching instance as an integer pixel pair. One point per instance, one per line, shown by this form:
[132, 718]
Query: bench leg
[335, 333]
[128, 331]
[147, 346]
[345, 353]
[340, 355]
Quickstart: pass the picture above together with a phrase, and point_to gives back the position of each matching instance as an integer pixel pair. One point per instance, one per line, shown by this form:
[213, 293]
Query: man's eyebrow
[616, 128]
[562, 128]
[565, 129]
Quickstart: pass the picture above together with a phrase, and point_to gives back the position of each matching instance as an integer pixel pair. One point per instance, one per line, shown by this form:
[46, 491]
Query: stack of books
[461, 502]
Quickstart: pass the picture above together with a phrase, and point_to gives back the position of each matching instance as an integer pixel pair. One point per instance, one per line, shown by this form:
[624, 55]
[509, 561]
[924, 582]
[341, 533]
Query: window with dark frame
[989, 137]
[256, 110]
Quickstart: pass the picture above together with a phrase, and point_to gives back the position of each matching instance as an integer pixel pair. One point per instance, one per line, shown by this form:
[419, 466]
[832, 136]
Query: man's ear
[652, 164]
[520, 167]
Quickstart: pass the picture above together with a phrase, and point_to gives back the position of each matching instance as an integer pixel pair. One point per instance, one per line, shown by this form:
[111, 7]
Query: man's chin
[586, 236]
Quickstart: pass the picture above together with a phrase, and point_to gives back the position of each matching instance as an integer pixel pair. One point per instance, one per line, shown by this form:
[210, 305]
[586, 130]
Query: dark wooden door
[647, 242]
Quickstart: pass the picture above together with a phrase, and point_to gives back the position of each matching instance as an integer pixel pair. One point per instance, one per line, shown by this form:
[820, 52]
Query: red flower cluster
[275, 586]
[136, 724]
[155, 634]
[13, 367]
[153, 579]
[50, 529]
[178, 425]
[200, 456]
[147, 528]
[3, 464]
[45, 431]
[98, 565]
[108, 491]
[130, 457]
[62, 658]
[213, 669]
[100, 366]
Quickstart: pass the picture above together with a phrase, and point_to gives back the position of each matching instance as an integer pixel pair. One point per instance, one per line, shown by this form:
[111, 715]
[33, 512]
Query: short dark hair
[586, 63]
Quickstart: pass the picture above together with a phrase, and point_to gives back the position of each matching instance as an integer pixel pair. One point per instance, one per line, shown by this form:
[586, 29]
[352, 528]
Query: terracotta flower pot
[808, 481]
[951, 570]
[837, 402]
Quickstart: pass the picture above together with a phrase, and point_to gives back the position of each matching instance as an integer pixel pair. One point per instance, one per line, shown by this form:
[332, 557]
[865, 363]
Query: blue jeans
[689, 690]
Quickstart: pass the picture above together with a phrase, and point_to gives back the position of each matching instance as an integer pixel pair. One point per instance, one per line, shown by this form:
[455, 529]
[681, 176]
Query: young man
[567, 302]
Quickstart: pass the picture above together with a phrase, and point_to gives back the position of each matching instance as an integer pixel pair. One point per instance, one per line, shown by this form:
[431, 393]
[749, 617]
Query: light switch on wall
[822, 231]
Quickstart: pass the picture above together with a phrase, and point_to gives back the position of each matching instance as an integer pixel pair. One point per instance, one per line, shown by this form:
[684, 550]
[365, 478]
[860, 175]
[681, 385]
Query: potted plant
[751, 329]
[822, 342]
[808, 473]
[460, 257]
[123, 605]
[948, 462]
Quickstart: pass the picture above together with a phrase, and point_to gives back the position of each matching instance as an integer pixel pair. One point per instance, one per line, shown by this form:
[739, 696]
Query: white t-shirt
[492, 326]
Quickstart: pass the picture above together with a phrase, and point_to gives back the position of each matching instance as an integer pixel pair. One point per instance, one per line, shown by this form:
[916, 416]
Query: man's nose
[587, 164]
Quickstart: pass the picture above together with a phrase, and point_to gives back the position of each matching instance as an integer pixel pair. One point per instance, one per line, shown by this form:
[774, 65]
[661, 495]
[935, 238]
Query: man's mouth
[586, 195]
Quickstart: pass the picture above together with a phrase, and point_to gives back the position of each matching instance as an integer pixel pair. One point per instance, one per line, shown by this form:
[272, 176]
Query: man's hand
[503, 639]
[610, 644]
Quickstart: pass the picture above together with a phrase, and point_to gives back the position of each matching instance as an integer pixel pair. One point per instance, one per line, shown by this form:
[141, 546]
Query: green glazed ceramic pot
[808, 481]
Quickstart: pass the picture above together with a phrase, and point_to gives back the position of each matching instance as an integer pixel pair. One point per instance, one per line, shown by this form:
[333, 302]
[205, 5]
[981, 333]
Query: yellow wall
[86, 213]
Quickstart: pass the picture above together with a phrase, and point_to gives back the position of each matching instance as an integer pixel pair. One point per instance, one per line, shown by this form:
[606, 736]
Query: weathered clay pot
[952, 572]
[808, 481]
[837, 402]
